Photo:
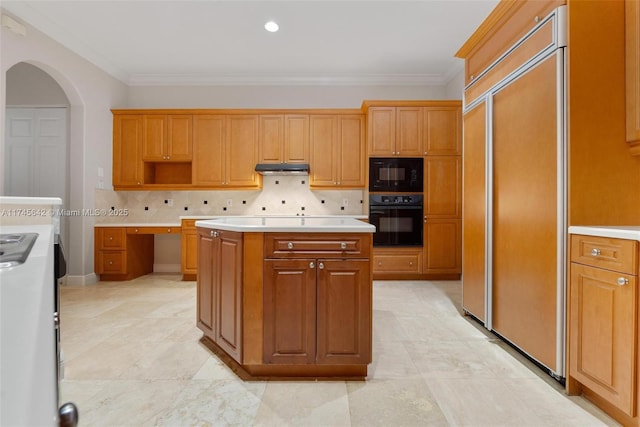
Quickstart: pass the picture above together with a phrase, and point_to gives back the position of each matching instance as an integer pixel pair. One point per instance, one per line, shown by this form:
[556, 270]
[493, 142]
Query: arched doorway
[50, 84]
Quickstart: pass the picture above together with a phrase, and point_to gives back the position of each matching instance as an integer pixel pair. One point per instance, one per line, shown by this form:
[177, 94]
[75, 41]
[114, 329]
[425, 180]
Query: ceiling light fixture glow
[271, 26]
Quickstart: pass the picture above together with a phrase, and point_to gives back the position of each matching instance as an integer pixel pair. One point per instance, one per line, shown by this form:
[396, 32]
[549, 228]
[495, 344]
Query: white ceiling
[144, 42]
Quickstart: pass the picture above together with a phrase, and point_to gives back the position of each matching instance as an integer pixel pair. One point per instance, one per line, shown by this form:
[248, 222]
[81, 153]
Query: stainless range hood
[283, 168]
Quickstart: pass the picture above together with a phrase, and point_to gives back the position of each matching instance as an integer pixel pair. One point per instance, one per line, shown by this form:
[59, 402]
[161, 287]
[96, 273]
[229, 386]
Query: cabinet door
[189, 252]
[290, 311]
[474, 212]
[443, 246]
[208, 150]
[382, 131]
[603, 333]
[351, 154]
[323, 157]
[344, 321]
[442, 133]
[443, 186]
[296, 138]
[206, 283]
[409, 131]
[271, 138]
[127, 150]
[154, 137]
[229, 293]
[242, 151]
[180, 138]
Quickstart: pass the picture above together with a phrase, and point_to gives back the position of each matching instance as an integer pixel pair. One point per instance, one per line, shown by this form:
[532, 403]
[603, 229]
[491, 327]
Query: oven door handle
[377, 212]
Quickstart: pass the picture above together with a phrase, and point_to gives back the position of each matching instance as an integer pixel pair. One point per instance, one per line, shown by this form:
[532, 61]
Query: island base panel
[287, 372]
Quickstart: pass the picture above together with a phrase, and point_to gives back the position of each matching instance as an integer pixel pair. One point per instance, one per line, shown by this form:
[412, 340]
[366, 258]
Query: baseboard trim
[88, 279]
[167, 268]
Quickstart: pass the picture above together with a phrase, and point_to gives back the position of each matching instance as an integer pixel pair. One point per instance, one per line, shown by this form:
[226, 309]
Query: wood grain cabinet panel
[337, 151]
[127, 151]
[284, 138]
[167, 137]
[442, 130]
[209, 133]
[603, 334]
[219, 287]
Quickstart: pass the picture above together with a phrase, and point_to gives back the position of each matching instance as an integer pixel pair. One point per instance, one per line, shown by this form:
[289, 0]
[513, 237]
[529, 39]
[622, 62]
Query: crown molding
[287, 80]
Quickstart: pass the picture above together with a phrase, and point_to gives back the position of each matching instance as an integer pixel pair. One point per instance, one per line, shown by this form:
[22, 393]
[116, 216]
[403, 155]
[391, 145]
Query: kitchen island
[286, 297]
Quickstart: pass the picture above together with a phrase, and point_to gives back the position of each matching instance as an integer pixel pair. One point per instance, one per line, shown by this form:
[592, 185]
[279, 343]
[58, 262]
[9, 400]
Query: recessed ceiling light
[271, 26]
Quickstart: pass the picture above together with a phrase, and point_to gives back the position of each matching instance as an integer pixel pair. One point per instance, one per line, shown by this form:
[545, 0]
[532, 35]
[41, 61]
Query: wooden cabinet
[225, 150]
[314, 303]
[241, 152]
[219, 287]
[397, 261]
[632, 61]
[603, 320]
[127, 151]
[284, 138]
[120, 255]
[167, 137]
[395, 131]
[442, 130]
[337, 158]
[443, 186]
[189, 249]
[425, 128]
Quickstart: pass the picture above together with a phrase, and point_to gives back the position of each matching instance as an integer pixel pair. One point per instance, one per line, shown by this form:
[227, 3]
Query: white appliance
[28, 378]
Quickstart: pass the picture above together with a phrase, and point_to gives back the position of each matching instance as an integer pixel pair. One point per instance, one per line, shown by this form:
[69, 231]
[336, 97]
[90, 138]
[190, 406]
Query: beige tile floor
[132, 358]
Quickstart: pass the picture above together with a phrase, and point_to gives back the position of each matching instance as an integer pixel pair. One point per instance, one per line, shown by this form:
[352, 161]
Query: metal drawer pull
[312, 265]
[214, 233]
[321, 266]
[290, 245]
[595, 252]
[343, 245]
[622, 281]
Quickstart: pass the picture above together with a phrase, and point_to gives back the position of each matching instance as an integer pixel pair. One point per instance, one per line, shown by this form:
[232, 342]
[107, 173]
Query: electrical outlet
[345, 202]
[229, 203]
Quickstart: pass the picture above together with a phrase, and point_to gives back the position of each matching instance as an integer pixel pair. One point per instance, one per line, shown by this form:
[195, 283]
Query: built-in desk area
[124, 252]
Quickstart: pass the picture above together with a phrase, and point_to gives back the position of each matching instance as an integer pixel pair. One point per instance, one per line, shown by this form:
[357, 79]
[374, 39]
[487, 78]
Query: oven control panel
[395, 199]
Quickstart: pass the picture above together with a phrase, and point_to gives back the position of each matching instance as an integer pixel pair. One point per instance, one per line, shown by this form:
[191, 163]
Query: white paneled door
[36, 152]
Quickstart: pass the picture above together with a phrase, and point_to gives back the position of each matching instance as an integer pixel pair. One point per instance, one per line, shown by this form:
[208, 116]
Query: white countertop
[294, 224]
[211, 217]
[138, 224]
[630, 232]
[11, 200]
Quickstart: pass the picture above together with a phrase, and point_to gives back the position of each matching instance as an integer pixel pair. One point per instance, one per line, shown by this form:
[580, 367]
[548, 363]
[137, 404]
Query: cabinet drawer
[111, 262]
[397, 263]
[153, 230]
[111, 238]
[327, 245]
[612, 254]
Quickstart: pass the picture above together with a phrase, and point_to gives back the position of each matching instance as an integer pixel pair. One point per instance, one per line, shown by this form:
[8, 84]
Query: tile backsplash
[280, 195]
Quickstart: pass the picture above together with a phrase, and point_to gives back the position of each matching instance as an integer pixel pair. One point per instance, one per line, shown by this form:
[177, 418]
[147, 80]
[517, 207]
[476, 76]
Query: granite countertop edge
[629, 232]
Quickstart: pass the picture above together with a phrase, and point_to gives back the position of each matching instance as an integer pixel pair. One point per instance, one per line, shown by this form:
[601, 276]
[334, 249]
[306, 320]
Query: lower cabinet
[603, 323]
[220, 269]
[122, 254]
[189, 250]
[313, 311]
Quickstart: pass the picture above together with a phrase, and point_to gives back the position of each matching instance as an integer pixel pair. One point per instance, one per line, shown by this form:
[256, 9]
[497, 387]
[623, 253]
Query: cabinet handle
[343, 245]
[290, 245]
[595, 251]
[312, 265]
[110, 237]
[168, 230]
[536, 19]
[214, 233]
[622, 281]
[321, 266]
[111, 263]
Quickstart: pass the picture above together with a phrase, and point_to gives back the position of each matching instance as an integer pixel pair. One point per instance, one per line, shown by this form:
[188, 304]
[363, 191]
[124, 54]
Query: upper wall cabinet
[413, 128]
[127, 151]
[167, 137]
[284, 138]
[337, 151]
[632, 46]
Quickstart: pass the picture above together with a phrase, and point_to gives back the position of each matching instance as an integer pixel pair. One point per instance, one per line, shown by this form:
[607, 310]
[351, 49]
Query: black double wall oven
[396, 201]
